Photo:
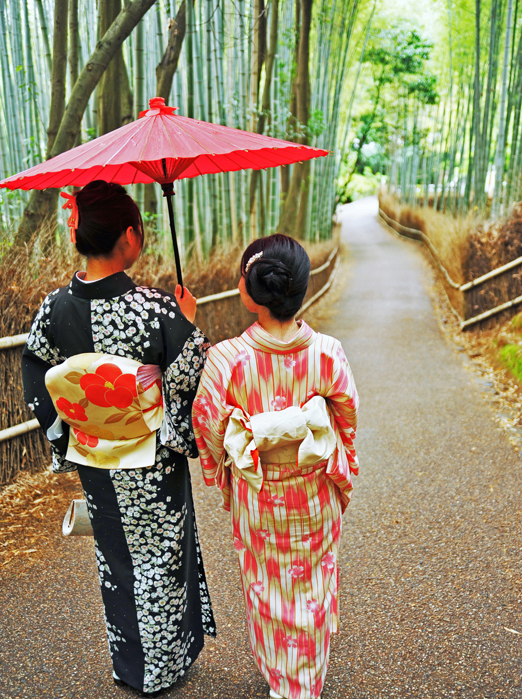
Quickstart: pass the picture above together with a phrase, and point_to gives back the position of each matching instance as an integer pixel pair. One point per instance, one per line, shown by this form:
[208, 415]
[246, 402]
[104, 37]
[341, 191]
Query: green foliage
[511, 357]
[91, 133]
[316, 123]
[516, 322]
[357, 186]
[397, 51]
[422, 87]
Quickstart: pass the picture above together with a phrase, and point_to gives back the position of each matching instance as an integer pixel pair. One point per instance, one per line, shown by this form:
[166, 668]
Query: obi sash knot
[113, 406]
[302, 435]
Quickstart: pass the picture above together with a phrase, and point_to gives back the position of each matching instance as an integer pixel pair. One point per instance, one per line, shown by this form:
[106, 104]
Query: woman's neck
[101, 267]
[281, 330]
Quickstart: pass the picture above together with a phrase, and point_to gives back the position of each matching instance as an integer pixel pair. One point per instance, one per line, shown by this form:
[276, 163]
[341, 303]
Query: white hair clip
[252, 260]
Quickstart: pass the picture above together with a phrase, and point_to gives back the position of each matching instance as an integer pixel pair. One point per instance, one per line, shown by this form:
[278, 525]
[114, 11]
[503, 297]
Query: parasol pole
[168, 191]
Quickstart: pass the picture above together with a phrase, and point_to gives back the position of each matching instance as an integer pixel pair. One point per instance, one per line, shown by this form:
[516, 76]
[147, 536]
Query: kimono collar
[106, 288]
[258, 338]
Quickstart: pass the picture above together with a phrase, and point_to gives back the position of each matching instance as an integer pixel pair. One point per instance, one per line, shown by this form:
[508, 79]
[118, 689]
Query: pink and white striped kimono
[286, 516]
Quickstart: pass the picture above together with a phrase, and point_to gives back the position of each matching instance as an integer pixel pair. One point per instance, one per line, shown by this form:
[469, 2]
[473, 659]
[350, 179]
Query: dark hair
[105, 211]
[279, 278]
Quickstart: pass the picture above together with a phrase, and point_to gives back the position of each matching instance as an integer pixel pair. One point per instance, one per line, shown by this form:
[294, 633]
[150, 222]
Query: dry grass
[28, 273]
[449, 236]
[32, 510]
[469, 248]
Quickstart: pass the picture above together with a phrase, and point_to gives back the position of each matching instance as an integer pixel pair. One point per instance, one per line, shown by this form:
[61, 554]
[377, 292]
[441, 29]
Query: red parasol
[162, 147]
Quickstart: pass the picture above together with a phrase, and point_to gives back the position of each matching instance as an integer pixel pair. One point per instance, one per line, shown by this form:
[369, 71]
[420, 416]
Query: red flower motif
[242, 358]
[74, 411]
[329, 561]
[239, 545]
[296, 571]
[86, 439]
[109, 386]
[290, 642]
[289, 362]
[278, 403]
[312, 605]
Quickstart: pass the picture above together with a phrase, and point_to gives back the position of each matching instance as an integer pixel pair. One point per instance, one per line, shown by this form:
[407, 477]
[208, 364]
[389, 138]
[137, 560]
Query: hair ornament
[252, 260]
[72, 221]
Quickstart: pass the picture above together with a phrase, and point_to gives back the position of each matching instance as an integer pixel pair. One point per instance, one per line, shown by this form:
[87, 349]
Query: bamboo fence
[23, 446]
[496, 295]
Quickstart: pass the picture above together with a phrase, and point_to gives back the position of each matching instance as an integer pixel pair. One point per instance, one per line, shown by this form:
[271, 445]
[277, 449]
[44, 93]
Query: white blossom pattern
[180, 379]
[37, 341]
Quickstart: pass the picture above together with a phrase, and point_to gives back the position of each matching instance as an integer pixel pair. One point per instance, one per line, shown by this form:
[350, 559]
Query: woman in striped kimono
[275, 418]
[110, 370]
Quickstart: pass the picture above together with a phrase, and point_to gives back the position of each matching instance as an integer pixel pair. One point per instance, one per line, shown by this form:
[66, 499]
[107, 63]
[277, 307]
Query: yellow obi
[113, 406]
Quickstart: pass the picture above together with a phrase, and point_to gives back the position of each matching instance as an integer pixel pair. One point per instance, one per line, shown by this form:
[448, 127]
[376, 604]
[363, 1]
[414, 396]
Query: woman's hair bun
[105, 212]
[278, 277]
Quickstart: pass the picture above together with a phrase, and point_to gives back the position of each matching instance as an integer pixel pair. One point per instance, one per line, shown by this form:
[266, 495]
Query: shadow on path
[430, 546]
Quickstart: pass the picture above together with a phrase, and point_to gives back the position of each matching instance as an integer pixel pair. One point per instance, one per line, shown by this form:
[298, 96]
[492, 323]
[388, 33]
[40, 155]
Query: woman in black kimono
[157, 605]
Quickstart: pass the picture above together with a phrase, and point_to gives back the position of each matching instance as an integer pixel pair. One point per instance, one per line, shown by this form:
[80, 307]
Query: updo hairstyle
[105, 211]
[277, 279]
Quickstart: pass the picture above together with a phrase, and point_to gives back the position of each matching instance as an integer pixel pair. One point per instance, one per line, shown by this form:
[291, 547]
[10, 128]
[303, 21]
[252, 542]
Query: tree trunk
[45, 34]
[109, 89]
[58, 81]
[169, 62]
[500, 157]
[477, 198]
[164, 76]
[265, 105]
[42, 203]
[297, 198]
[59, 72]
[292, 122]
[74, 50]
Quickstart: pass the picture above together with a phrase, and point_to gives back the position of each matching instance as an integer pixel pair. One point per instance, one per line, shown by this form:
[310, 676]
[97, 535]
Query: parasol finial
[157, 106]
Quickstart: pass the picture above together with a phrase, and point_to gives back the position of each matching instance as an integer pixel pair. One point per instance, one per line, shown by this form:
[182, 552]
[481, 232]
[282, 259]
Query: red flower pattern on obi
[86, 439]
[74, 411]
[109, 387]
[257, 587]
[239, 545]
[312, 606]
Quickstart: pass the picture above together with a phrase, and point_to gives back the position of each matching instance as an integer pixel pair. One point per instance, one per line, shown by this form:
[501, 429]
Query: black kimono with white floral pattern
[157, 605]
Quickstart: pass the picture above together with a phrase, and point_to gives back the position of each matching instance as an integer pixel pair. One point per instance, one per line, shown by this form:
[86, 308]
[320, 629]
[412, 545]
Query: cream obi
[303, 436]
[114, 407]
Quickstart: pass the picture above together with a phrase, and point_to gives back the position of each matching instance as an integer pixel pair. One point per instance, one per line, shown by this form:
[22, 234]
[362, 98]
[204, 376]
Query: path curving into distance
[430, 559]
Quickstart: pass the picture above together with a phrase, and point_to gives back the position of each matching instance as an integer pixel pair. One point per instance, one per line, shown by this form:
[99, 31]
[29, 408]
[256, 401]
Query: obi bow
[301, 435]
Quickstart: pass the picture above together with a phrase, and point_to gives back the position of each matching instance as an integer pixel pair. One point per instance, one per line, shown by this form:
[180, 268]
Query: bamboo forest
[426, 100]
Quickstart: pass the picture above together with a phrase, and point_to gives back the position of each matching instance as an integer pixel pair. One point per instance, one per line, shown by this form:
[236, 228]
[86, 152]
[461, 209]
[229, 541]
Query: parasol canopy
[161, 146]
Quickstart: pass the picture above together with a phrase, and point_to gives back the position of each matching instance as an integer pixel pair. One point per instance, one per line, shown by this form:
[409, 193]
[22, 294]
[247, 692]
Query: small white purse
[76, 521]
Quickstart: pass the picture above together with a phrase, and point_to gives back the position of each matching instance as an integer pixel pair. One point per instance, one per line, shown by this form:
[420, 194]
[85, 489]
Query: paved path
[431, 543]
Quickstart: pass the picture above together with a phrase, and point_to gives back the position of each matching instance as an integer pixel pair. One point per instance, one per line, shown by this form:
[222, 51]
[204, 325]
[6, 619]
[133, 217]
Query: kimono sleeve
[210, 414]
[181, 374]
[343, 403]
[38, 356]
